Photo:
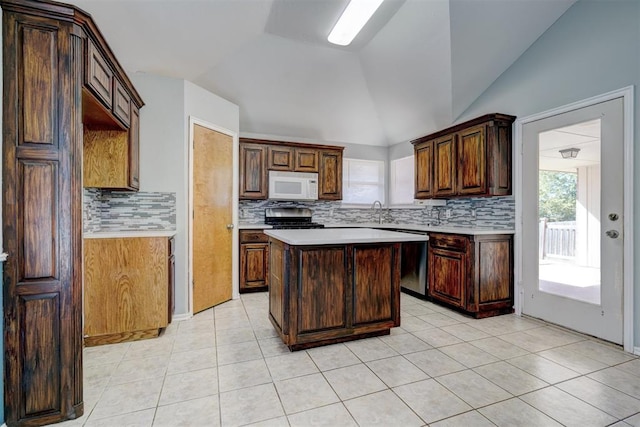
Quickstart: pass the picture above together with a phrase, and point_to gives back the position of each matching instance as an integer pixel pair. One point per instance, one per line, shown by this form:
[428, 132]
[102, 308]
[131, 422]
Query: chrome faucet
[373, 208]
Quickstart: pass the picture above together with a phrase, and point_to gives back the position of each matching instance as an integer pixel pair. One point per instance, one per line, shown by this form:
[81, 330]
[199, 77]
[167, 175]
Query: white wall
[592, 49]
[164, 134]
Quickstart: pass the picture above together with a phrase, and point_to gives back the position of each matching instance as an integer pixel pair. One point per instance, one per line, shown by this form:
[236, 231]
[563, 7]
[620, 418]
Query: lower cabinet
[128, 288]
[254, 261]
[472, 272]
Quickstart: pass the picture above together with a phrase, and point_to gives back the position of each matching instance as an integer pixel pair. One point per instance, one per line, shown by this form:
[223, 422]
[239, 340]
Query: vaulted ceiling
[415, 67]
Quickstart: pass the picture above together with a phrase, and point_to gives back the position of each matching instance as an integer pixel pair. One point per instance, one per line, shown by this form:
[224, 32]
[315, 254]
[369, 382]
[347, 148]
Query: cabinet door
[253, 171]
[254, 262]
[121, 103]
[330, 175]
[472, 161]
[447, 269]
[134, 149]
[280, 158]
[444, 166]
[306, 160]
[99, 75]
[424, 170]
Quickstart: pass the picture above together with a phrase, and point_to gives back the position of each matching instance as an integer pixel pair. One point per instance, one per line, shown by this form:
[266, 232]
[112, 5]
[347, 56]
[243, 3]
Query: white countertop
[474, 231]
[342, 236]
[128, 234]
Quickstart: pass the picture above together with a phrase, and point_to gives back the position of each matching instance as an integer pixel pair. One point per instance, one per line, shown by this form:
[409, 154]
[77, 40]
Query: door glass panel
[569, 211]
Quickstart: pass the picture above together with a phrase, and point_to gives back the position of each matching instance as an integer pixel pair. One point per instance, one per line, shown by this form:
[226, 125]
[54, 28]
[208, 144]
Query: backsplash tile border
[105, 210]
[495, 212]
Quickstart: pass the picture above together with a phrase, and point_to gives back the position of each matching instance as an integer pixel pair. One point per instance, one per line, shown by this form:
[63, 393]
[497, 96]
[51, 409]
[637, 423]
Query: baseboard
[181, 317]
[636, 350]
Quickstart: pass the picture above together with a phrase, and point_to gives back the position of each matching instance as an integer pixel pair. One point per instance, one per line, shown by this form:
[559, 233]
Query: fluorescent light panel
[357, 13]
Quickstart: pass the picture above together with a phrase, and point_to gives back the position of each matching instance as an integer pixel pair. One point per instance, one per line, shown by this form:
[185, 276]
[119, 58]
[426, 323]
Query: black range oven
[290, 218]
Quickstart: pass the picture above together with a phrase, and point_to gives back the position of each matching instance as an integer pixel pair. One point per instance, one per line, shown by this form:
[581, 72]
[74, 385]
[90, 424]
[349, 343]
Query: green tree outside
[557, 195]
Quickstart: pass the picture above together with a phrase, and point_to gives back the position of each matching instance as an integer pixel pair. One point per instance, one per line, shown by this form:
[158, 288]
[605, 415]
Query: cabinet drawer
[99, 75]
[253, 236]
[121, 103]
[448, 241]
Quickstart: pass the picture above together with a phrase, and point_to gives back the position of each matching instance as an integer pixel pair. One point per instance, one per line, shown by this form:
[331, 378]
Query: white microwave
[293, 185]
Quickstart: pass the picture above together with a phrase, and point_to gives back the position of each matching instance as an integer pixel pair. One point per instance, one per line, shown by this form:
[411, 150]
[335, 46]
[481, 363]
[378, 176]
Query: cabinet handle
[229, 226]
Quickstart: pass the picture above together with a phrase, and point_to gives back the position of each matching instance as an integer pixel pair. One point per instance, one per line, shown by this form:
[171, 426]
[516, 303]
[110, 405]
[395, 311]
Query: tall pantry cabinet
[47, 105]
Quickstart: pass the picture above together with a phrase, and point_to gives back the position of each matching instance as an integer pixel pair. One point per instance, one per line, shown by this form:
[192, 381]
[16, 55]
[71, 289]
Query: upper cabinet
[469, 159]
[330, 177]
[111, 119]
[253, 171]
[258, 157]
[292, 159]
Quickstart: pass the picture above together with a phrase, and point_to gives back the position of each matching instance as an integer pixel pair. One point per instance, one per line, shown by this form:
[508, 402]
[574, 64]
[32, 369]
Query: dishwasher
[413, 266]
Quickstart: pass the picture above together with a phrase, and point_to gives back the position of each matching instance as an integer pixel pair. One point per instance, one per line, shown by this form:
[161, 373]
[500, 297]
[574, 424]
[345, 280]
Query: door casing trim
[235, 292]
[627, 95]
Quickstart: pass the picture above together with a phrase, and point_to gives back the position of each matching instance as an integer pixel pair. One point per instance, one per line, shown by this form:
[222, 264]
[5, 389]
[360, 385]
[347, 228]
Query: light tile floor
[227, 367]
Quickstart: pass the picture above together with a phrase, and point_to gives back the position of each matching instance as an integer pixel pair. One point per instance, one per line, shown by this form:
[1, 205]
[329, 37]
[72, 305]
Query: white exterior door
[572, 270]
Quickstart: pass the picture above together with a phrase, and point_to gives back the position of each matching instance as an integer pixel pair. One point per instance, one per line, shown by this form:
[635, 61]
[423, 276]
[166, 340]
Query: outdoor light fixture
[570, 153]
[352, 20]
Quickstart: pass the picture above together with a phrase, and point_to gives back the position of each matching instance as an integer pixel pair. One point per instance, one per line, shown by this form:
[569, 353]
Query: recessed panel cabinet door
[424, 170]
[444, 167]
[41, 220]
[472, 161]
[330, 176]
[253, 165]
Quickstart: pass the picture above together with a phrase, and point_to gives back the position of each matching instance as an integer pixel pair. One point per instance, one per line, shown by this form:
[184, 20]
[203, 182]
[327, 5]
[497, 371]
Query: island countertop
[342, 236]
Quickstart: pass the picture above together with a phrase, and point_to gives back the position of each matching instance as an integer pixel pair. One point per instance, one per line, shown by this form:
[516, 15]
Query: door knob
[612, 233]
[229, 226]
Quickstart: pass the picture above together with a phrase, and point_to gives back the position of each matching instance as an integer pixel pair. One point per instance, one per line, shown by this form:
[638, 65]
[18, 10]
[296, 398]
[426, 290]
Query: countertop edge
[359, 235]
[128, 234]
[472, 231]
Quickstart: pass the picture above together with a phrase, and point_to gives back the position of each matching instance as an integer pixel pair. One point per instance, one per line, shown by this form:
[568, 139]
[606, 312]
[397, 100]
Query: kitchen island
[334, 285]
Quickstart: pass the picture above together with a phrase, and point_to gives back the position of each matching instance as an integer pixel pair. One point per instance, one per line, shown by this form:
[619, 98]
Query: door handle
[612, 233]
[229, 226]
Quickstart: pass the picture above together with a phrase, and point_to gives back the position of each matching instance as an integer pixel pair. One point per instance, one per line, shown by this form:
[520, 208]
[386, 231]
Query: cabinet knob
[229, 226]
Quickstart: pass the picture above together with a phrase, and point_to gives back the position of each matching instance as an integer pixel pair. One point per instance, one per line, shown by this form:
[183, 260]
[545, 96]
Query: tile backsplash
[126, 211]
[496, 212]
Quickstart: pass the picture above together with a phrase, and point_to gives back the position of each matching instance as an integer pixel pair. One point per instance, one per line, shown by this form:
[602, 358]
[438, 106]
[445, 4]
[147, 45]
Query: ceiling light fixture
[570, 153]
[357, 13]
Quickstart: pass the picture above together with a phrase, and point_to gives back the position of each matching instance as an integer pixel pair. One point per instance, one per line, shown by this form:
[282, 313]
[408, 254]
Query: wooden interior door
[212, 216]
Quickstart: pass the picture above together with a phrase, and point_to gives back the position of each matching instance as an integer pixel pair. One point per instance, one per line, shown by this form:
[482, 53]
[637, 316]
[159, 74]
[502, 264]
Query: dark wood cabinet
[253, 171]
[424, 170]
[258, 157]
[254, 261]
[444, 166]
[469, 159]
[99, 76]
[51, 89]
[134, 149]
[306, 160]
[472, 273]
[121, 103]
[330, 177]
[280, 158]
[292, 159]
[326, 294]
